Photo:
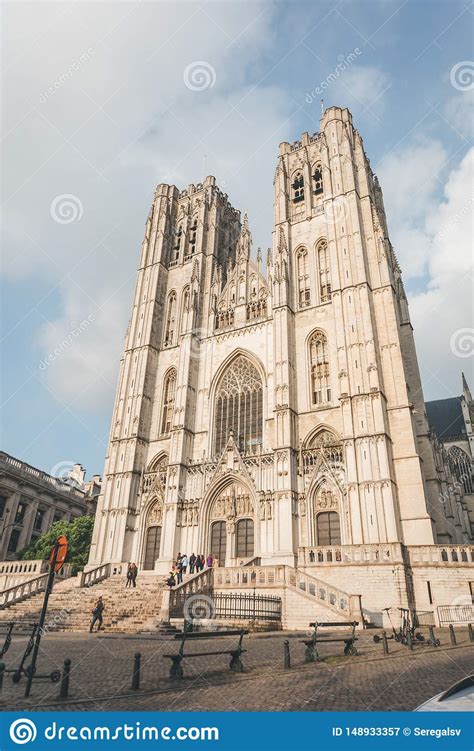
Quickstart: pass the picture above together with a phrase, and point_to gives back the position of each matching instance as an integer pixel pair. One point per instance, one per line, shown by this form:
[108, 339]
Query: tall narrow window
[239, 407]
[177, 244]
[192, 237]
[319, 364]
[185, 310]
[170, 320]
[317, 180]
[298, 188]
[168, 401]
[304, 294]
[323, 271]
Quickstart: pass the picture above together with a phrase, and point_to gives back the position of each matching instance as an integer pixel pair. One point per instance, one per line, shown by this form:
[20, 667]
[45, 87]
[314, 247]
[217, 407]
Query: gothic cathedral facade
[268, 408]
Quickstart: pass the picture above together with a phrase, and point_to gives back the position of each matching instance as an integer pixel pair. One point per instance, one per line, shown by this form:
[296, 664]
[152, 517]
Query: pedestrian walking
[184, 563]
[209, 561]
[171, 580]
[97, 614]
[128, 583]
[134, 574]
[192, 563]
[202, 562]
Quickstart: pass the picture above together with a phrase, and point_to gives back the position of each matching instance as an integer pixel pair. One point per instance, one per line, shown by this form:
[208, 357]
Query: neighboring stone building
[31, 501]
[451, 423]
[276, 415]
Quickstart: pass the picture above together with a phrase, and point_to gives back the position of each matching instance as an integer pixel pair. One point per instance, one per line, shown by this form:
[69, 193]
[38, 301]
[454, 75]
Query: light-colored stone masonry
[309, 355]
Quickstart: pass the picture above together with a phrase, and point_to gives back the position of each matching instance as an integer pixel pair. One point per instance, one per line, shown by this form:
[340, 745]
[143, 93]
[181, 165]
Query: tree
[79, 536]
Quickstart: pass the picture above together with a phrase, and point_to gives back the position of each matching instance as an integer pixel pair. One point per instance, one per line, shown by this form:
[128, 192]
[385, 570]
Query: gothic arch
[216, 381]
[221, 505]
[325, 434]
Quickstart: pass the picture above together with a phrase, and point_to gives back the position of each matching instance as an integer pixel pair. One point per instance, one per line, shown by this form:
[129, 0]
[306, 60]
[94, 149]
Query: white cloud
[105, 116]
[459, 113]
[434, 236]
[363, 86]
[409, 178]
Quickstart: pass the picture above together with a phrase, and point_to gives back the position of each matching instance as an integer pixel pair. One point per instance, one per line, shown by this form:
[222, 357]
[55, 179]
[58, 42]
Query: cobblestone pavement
[102, 668]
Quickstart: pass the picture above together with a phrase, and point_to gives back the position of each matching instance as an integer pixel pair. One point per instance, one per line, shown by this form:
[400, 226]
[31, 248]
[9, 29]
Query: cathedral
[269, 408]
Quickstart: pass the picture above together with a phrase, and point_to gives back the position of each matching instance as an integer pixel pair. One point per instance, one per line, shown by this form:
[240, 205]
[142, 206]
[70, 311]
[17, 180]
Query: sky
[102, 101]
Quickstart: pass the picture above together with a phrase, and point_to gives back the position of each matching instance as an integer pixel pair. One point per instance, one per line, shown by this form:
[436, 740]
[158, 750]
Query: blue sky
[96, 107]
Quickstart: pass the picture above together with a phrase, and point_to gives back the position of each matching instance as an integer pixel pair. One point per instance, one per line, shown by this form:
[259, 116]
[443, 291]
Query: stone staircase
[70, 607]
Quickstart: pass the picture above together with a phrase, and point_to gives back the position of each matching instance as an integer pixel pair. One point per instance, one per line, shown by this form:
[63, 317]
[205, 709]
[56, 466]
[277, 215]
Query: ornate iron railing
[226, 605]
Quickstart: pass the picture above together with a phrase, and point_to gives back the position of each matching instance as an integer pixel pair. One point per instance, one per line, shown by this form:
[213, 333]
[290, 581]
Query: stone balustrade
[278, 576]
[94, 575]
[23, 567]
[385, 553]
[454, 555]
[389, 553]
[22, 591]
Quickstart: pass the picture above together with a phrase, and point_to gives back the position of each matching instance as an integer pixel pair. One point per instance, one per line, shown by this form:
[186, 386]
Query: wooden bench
[176, 669]
[348, 638]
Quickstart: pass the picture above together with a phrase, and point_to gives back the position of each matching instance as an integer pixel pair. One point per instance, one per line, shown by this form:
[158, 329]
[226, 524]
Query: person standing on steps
[184, 563]
[97, 614]
[192, 563]
[209, 561]
[134, 574]
[128, 583]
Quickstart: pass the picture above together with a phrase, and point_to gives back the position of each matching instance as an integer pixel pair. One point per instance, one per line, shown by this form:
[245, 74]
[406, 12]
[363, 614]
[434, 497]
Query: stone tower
[262, 411]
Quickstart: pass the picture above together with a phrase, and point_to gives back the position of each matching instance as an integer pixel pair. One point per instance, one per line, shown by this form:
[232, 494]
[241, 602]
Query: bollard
[452, 635]
[64, 689]
[286, 654]
[385, 642]
[433, 640]
[471, 631]
[2, 673]
[409, 640]
[136, 672]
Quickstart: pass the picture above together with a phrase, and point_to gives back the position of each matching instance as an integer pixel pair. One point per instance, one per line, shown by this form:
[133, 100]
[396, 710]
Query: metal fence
[455, 614]
[225, 605]
[423, 618]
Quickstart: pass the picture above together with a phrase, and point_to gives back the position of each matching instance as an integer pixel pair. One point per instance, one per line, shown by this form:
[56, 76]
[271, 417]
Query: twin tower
[268, 405]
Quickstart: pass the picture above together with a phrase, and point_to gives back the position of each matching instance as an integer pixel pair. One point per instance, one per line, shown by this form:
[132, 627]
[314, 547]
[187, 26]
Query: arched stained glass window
[304, 293]
[462, 467]
[239, 407]
[324, 272]
[168, 401]
[319, 365]
[170, 320]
